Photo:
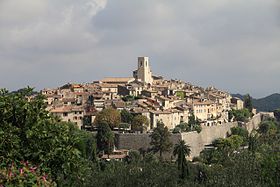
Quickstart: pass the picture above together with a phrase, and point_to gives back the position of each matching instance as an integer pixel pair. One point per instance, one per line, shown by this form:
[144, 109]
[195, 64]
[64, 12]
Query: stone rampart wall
[197, 141]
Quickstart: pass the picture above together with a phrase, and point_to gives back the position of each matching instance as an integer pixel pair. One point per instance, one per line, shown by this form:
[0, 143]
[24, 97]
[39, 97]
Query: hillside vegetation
[266, 104]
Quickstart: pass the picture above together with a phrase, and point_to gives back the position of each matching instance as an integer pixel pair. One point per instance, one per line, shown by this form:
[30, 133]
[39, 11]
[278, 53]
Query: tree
[253, 141]
[29, 133]
[109, 116]
[277, 114]
[105, 138]
[140, 123]
[126, 116]
[268, 128]
[242, 132]
[248, 102]
[194, 124]
[182, 150]
[160, 139]
[240, 115]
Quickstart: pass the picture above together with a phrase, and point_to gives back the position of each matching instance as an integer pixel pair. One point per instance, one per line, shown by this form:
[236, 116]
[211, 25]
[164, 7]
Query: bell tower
[144, 72]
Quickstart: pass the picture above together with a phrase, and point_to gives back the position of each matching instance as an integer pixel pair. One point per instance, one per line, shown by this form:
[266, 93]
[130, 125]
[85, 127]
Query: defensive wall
[196, 141]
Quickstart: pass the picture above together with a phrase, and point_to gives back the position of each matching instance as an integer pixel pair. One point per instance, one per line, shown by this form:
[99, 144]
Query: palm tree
[182, 150]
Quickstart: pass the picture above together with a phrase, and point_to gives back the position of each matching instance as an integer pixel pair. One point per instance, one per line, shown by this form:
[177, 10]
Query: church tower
[143, 72]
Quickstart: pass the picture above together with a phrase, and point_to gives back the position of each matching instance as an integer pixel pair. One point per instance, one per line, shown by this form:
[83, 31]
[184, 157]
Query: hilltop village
[169, 101]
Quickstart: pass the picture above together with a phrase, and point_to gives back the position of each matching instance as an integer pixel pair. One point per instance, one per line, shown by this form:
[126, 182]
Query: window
[65, 114]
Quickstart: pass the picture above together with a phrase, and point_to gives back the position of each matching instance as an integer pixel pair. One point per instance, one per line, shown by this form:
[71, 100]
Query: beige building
[73, 114]
[143, 73]
[170, 118]
[237, 103]
[117, 80]
[132, 89]
[204, 110]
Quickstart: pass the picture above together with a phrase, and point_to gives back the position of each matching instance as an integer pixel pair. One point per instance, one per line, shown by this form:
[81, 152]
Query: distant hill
[266, 104]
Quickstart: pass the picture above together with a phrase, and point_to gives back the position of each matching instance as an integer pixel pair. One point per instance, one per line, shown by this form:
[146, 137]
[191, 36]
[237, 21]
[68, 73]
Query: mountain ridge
[265, 104]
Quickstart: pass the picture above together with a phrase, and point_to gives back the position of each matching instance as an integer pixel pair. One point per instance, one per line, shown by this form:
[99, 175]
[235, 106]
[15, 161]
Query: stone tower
[143, 72]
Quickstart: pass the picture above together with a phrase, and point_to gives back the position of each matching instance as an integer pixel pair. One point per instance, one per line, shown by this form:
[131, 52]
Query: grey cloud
[233, 45]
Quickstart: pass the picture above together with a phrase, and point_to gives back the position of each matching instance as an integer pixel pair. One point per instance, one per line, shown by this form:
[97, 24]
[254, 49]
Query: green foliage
[193, 124]
[268, 128]
[28, 132]
[87, 145]
[248, 102]
[182, 126]
[230, 144]
[256, 166]
[177, 130]
[109, 116]
[126, 117]
[140, 123]
[24, 174]
[181, 150]
[134, 156]
[242, 132]
[180, 94]
[239, 131]
[160, 139]
[124, 126]
[105, 138]
[240, 115]
[198, 128]
[253, 141]
[277, 114]
[139, 174]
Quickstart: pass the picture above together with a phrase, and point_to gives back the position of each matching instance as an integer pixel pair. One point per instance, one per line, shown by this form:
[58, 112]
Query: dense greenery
[192, 125]
[248, 102]
[235, 165]
[139, 123]
[105, 138]
[181, 150]
[109, 116]
[242, 115]
[126, 116]
[277, 114]
[160, 139]
[29, 134]
[36, 149]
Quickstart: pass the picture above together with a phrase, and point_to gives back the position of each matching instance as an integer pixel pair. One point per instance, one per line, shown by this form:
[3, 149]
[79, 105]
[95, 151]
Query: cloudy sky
[231, 44]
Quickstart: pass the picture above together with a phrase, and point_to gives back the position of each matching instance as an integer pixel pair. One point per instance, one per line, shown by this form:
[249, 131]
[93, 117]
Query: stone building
[143, 73]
